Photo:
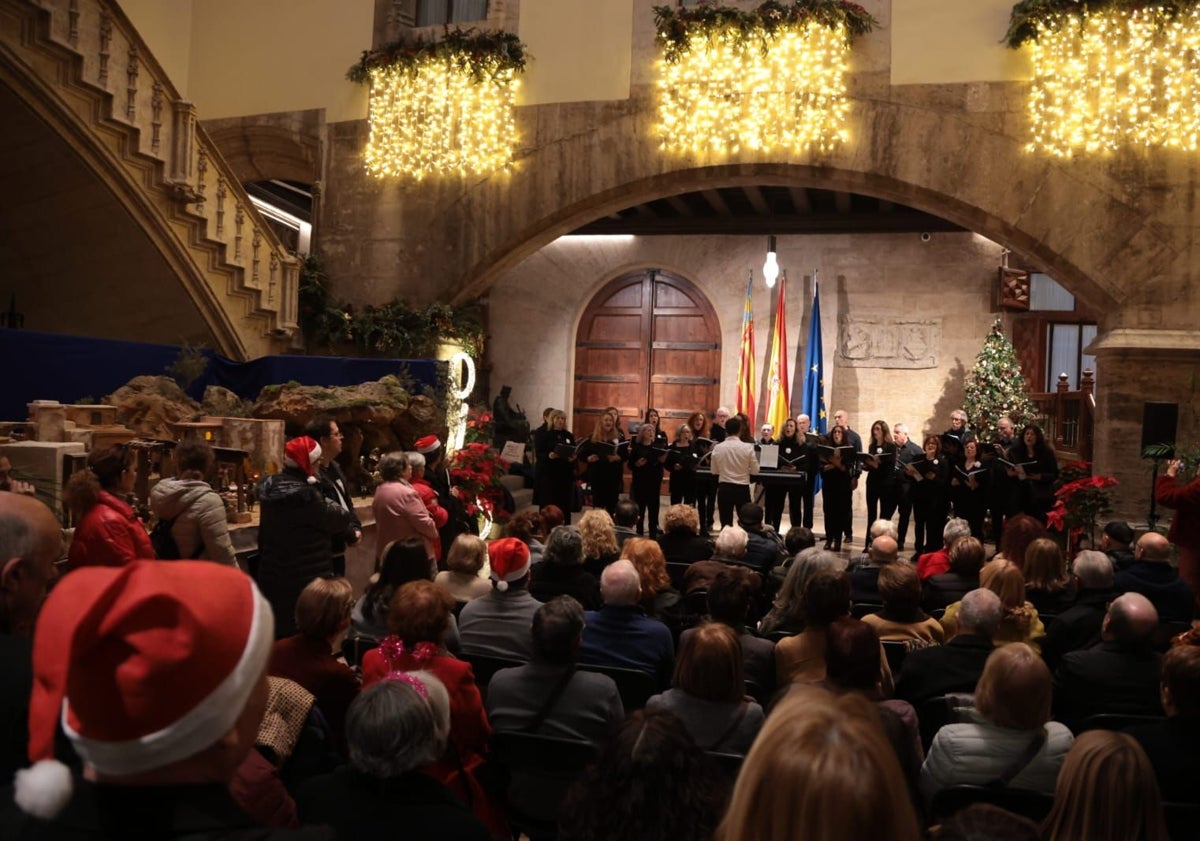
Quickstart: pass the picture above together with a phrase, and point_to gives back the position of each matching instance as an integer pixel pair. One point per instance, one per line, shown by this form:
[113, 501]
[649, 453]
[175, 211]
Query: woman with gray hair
[787, 611]
[399, 510]
[562, 572]
[393, 730]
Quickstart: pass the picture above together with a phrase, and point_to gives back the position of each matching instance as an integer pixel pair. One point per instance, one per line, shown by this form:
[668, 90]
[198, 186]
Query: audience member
[902, 618]
[1105, 792]
[876, 529]
[463, 564]
[681, 540]
[966, 560]
[1120, 675]
[403, 561]
[195, 511]
[399, 511]
[30, 543]
[820, 770]
[9, 483]
[107, 531]
[394, 728]
[1021, 622]
[864, 581]
[158, 672]
[1014, 743]
[797, 539]
[437, 512]
[1151, 575]
[1078, 627]
[985, 822]
[660, 600]
[295, 534]
[1173, 745]
[336, 487]
[1019, 532]
[1116, 541]
[620, 633]
[562, 572]
[956, 666]
[497, 625]
[625, 522]
[1048, 585]
[650, 782]
[708, 694]
[764, 547]
[308, 658]
[787, 611]
[729, 600]
[728, 550]
[1171, 492]
[527, 528]
[599, 543]
[937, 562]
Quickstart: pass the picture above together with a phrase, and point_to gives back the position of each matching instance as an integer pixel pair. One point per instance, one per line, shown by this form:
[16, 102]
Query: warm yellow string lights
[436, 117]
[1113, 77]
[726, 93]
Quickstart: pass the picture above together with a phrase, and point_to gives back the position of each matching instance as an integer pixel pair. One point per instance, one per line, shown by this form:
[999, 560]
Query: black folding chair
[355, 648]
[1030, 804]
[895, 651]
[1116, 721]
[541, 770]
[634, 685]
[484, 667]
[729, 763]
[860, 609]
[933, 713]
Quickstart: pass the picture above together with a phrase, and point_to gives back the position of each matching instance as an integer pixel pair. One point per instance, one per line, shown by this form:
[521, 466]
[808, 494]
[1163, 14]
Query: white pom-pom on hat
[43, 789]
[502, 586]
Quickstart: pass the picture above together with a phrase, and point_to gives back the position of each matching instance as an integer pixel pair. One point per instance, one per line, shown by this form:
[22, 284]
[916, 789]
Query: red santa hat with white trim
[508, 558]
[304, 453]
[144, 665]
[427, 444]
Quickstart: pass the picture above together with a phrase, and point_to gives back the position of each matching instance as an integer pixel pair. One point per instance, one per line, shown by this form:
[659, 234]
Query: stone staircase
[82, 67]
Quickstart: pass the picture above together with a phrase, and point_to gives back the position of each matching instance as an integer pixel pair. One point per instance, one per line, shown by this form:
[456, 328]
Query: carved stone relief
[886, 341]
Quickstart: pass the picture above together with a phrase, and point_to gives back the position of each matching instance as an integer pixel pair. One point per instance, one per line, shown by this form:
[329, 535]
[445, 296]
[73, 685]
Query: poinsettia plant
[480, 425]
[475, 473]
[1080, 501]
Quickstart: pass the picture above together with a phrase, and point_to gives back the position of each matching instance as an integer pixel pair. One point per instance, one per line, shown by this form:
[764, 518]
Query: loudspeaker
[1159, 424]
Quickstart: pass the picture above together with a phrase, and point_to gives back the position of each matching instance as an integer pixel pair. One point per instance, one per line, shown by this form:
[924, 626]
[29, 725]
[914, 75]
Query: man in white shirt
[733, 463]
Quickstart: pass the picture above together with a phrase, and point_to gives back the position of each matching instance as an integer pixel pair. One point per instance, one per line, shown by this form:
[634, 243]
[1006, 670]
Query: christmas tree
[995, 387]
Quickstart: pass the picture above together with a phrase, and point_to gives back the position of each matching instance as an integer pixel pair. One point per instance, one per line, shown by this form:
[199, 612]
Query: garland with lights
[1028, 15]
[679, 28]
[484, 55]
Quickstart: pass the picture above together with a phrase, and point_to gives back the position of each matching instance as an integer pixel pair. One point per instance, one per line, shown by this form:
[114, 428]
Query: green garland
[762, 25]
[482, 53]
[1029, 14]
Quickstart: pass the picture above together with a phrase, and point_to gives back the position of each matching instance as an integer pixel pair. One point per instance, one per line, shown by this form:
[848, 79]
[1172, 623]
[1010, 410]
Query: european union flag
[814, 375]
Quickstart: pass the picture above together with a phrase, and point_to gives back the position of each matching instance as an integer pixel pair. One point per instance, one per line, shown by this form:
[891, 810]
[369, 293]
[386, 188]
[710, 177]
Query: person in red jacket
[108, 531]
[1185, 525]
[428, 496]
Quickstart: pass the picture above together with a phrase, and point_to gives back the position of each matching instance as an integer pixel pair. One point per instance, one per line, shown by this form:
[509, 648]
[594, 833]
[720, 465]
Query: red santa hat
[509, 561]
[304, 453]
[144, 665]
[427, 444]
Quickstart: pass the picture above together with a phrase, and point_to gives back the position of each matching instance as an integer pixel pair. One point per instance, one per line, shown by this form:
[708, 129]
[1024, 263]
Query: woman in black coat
[605, 466]
[835, 488]
[792, 458]
[930, 495]
[681, 462]
[970, 482]
[883, 489]
[646, 460]
[554, 480]
[1037, 474]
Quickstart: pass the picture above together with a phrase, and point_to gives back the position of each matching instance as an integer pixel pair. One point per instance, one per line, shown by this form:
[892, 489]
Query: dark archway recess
[648, 338]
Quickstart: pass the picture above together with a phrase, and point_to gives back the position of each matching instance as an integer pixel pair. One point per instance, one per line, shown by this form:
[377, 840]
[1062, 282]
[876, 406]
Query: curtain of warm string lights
[1113, 78]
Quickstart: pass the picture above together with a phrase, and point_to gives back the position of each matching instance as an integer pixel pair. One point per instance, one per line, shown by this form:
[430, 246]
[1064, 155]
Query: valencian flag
[814, 372]
[745, 383]
[779, 384]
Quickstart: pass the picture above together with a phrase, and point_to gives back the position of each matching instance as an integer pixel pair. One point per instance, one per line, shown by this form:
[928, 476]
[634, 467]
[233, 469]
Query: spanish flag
[746, 378]
[779, 385]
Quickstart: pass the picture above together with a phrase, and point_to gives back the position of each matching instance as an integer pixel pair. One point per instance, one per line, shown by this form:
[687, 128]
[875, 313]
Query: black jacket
[336, 488]
[1076, 628]
[953, 667]
[1113, 677]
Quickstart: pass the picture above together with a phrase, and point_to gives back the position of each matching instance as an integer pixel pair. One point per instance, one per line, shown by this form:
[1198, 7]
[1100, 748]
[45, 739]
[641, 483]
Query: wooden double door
[647, 339]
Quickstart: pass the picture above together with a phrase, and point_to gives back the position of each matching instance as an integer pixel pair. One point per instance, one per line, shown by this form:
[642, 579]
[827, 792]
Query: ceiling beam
[899, 221]
[757, 200]
[716, 202]
[800, 199]
[841, 201]
[681, 207]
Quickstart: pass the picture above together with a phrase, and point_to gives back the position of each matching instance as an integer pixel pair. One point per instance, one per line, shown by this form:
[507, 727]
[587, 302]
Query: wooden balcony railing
[1068, 417]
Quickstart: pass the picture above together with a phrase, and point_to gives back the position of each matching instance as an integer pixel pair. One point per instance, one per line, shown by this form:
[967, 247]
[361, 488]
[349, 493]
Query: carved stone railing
[253, 264]
[1068, 417]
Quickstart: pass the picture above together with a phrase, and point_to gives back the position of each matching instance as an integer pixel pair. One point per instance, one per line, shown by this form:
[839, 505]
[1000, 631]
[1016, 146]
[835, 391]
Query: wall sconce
[771, 266]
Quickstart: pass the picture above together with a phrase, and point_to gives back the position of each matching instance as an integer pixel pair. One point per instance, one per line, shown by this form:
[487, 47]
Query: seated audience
[708, 694]
[787, 611]
[1019, 532]
[650, 782]
[660, 600]
[1105, 792]
[527, 528]
[161, 672]
[1048, 585]
[394, 729]
[797, 539]
[620, 633]
[497, 625]
[1078, 627]
[1120, 675]
[681, 540]
[1116, 541]
[864, 581]
[728, 550]
[820, 770]
[1173, 745]
[552, 517]
[966, 559]
[956, 666]
[729, 600]
[902, 618]
[1152, 575]
[985, 822]
[801, 658]
[937, 562]
[764, 547]
[1021, 622]
[876, 529]
[626, 522]
[402, 561]
[562, 573]
[463, 563]
[599, 542]
[1014, 743]
[309, 659]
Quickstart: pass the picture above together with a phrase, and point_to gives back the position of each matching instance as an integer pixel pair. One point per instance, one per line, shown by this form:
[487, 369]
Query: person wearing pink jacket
[399, 510]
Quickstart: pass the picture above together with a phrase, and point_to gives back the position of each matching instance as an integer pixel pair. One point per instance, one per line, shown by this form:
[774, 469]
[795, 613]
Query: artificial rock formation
[149, 405]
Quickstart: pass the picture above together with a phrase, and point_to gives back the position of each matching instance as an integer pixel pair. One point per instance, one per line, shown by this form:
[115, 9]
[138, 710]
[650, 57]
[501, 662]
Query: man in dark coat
[1151, 575]
[957, 665]
[334, 485]
[1078, 627]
